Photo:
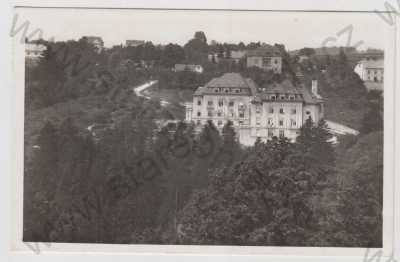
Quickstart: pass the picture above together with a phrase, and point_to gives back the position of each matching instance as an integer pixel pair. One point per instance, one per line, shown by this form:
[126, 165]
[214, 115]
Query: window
[271, 110]
[293, 111]
[307, 112]
[220, 102]
[291, 97]
[282, 97]
[219, 114]
[210, 103]
[219, 123]
[281, 111]
[210, 113]
[240, 122]
[273, 97]
[276, 61]
[266, 61]
[270, 133]
[198, 113]
[198, 122]
[216, 90]
[293, 122]
[280, 122]
[199, 102]
[281, 133]
[270, 121]
[258, 109]
[241, 114]
[258, 121]
[231, 103]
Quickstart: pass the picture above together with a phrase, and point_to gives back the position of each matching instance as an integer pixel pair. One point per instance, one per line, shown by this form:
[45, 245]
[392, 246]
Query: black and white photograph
[202, 127]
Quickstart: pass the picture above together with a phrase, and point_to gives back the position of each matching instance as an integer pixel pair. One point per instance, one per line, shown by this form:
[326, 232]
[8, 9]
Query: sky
[293, 29]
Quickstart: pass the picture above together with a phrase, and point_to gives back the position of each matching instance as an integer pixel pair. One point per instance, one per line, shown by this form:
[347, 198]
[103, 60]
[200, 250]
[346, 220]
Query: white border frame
[332, 255]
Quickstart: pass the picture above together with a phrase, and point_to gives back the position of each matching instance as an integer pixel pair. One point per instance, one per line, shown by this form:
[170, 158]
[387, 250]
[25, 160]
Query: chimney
[314, 87]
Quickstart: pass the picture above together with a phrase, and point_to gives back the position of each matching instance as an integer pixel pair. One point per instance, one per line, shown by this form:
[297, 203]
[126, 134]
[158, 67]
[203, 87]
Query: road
[339, 129]
[139, 89]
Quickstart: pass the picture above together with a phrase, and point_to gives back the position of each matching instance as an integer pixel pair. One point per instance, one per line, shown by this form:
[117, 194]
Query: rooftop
[373, 63]
[249, 88]
[229, 80]
[266, 50]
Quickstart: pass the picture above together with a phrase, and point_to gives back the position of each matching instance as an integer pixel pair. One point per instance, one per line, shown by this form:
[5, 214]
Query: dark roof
[229, 80]
[286, 87]
[308, 97]
[266, 50]
[249, 88]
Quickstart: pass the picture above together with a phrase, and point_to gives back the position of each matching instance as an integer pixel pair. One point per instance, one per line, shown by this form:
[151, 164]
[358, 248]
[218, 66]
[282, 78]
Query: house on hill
[33, 53]
[370, 70]
[266, 57]
[134, 43]
[275, 110]
[187, 67]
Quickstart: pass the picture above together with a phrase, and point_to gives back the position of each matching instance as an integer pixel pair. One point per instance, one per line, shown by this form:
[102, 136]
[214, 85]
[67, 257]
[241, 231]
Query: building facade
[267, 57]
[279, 110]
[370, 70]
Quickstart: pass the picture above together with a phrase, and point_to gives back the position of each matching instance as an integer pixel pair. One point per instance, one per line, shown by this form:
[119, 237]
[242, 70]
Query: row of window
[281, 122]
[293, 111]
[369, 72]
[284, 97]
[220, 103]
[227, 90]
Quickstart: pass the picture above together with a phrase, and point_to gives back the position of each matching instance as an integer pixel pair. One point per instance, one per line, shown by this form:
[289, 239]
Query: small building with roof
[275, 110]
[370, 70]
[267, 57]
[134, 43]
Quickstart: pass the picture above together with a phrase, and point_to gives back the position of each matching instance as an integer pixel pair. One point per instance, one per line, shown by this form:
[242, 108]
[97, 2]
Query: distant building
[238, 55]
[266, 57]
[193, 68]
[370, 70]
[33, 52]
[235, 56]
[96, 41]
[303, 58]
[134, 43]
[276, 110]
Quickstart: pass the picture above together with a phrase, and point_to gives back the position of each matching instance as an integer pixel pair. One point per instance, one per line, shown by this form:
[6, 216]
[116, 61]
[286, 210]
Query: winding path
[339, 129]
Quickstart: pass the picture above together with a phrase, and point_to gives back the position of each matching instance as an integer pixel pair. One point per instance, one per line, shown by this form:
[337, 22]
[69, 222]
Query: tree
[200, 36]
[307, 51]
[360, 177]
[372, 120]
[172, 55]
[263, 200]
[313, 143]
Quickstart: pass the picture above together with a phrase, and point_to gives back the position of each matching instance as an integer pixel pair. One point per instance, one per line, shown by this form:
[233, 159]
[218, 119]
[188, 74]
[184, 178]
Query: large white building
[278, 110]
